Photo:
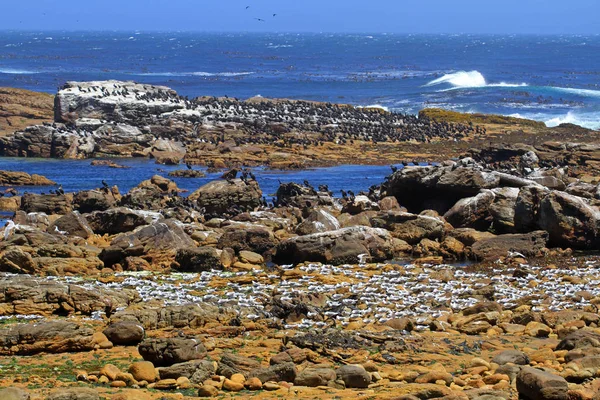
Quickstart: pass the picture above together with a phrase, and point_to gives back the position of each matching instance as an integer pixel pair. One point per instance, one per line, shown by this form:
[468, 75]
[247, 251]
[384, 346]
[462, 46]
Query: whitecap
[591, 121]
[469, 79]
[461, 79]
[384, 108]
[199, 73]
[586, 120]
[579, 92]
[12, 71]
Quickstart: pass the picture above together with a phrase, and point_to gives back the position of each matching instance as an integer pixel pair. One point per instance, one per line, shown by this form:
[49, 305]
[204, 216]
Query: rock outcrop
[17, 178]
[221, 196]
[49, 337]
[347, 245]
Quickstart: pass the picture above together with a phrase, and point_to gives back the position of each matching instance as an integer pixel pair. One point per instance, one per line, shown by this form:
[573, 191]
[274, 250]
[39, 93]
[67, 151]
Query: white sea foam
[376, 106]
[586, 120]
[13, 71]
[591, 121]
[579, 92]
[277, 46]
[461, 79]
[469, 79]
[198, 73]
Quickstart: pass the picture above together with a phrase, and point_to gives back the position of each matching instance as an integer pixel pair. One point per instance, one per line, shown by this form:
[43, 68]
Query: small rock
[164, 384]
[253, 384]
[110, 371]
[208, 391]
[143, 371]
[239, 378]
[232, 386]
[511, 356]
[537, 329]
[354, 376]
[271, 386]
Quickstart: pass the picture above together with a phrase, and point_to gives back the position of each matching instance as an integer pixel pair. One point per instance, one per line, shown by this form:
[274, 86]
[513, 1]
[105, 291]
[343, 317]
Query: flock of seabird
[282, 122]
[368, 295]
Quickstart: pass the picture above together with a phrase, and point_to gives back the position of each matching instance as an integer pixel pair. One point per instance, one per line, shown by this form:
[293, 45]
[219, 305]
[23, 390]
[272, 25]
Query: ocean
[554, 79]
[76, 175]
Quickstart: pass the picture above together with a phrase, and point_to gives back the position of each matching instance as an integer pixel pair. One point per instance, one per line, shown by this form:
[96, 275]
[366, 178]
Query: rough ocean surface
[499, 74]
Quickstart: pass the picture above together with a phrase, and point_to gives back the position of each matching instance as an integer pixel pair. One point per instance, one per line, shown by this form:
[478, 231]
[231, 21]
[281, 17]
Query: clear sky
[402, 16]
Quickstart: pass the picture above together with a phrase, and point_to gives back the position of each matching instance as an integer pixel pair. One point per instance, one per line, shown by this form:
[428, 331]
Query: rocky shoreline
[462, 279]
[126, 119]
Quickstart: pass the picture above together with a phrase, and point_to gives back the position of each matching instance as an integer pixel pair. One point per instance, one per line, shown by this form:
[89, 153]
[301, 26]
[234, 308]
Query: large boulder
[74, 394]
[347, 245]
[71, 224]
[159, 235]
[34, 296]
[124, 333]
[186, 316]
[314, 377]
[18, 178]
[48, 337]
[17, 261]
[527, 244]
[46, 203]
[411, 228]
[472, 212]
[14, 394]
[94, 200]
[197, 371]
[570, 221]
[247, 237]
[535, 384]
[39, 141]
[527, 207]
[295, 195]
[579, 339]
[118, 220]
[166, 352]
[159, 240]
[152, 194]
[198, 259]
[502, 210]
[318, 221]
[221, 196]
[437, 187]
[354, 376]
[276, 373]
[78, 100]
[230, 364]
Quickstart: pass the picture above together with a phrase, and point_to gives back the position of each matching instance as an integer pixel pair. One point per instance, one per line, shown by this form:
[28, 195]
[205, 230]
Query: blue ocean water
[76, 175]
[553, 79]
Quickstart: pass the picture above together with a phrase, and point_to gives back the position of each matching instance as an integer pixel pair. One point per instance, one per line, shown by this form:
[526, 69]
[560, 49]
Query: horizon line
[140, 31]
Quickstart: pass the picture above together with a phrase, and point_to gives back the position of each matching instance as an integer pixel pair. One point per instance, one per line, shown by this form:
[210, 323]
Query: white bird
[59, 231]
[8, 229]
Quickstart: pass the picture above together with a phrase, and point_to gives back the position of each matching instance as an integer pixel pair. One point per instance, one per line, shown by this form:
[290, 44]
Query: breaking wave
[199, 73]
[586, 120]
[13, 71]
[469, 79]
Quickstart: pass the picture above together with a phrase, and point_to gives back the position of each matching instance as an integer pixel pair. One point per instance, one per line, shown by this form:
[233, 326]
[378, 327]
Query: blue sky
[402, 16]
